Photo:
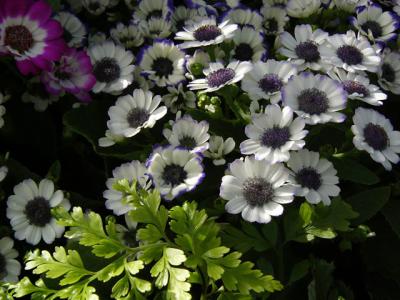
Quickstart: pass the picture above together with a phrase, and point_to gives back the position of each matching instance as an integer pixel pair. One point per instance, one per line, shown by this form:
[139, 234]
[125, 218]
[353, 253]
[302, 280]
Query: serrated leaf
[244, 279]
[62, 264]
[175, 256]
[134, 266]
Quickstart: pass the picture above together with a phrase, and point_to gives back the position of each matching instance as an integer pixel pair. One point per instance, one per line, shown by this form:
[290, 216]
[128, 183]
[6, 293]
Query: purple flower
[28, 33]
[72, 74]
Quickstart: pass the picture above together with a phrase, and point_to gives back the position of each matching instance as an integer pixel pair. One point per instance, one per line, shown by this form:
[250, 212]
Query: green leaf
[175, 278]
[319, 288]
[88, 229]
[248, 237]
[299, 270]
[391, 214]
[196, 233]
[244, 279]
[62, 264]
[326, 220]
[368, 203]
[353, 171]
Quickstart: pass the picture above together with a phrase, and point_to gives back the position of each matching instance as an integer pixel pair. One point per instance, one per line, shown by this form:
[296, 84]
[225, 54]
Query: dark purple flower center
[243, 52]
[388, 72]
[38, 212]
[163, 66]
[174, 174]
[157, 13]
[349, 55]
[270, 83]
[62, 75]
[313, 101]
[106, 70]
[275, 137]
[308, 51]
[220, 77]
[271, 25]
[67, 36]
[187, 142]
[93, 6]
[376, 137]
[18, 37]
[3, 264]
[207, 33]
[374, 26]
[309, 177]
[136, 117]
[257, 191]
[352, 87]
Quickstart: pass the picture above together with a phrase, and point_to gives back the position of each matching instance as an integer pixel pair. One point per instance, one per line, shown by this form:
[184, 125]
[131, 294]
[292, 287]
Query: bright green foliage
[181, 247]
[318, 221]
[249, 237]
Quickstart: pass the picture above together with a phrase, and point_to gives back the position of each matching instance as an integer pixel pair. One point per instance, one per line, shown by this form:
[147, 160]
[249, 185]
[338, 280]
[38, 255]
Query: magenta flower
[72, 74]
[28, 33]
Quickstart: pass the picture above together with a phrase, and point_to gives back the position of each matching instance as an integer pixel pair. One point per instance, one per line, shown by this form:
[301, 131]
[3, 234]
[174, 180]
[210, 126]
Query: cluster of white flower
[248, 68]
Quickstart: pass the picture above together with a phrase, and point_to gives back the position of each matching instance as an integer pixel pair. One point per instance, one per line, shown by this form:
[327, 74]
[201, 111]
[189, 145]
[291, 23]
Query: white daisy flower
[244, 17]
[389, 72]
[37, 94]
[129, 36]
[352, 53]
[374, 133]
[349, 5]
[74, 31]
[95, 7]
[219, 148]
[274, 3]
[376, 24]
[205, 32]
[248, 45]
[155, 28]
[305, 48]
[112, 66]
[218, 76]
[130, 114]
[174, 171]
[314, 177]
[189, 134]
[196, 63]
[139, 82]
[273, 134]
[274, 21]
[163, 63]
[357, 86]
[110, 139]
[10, 268]
[178, 98]
[302, 8]
[256, 189]
[3, 172]
[183, 14]
[29, 211]
[396, 8]
[316, 98]
[266, 80]
[3, 99]
[131, 171]
[157, 9]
